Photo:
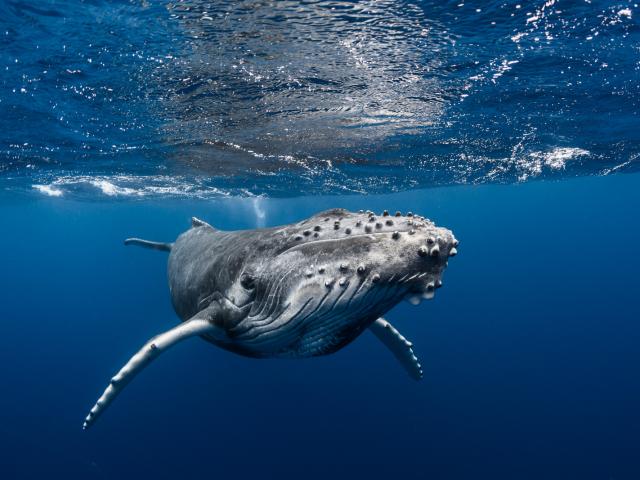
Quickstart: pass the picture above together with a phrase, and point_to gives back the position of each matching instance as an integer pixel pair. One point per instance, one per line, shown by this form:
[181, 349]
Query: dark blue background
[531, 349]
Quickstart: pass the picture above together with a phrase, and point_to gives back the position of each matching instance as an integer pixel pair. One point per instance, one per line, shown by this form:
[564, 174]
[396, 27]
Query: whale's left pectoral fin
[399, 346]
[200, 324]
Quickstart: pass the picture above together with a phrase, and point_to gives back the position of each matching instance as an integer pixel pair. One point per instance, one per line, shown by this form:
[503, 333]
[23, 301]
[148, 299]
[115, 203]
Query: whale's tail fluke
[165, 247]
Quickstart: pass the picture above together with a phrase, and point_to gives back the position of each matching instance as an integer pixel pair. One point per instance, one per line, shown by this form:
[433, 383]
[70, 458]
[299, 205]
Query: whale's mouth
[426, 291]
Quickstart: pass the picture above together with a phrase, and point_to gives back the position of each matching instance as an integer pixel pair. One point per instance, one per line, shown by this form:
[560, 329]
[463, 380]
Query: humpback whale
[298, 290]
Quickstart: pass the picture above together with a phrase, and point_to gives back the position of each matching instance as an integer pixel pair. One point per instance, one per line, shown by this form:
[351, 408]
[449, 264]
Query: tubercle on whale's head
[362, 261]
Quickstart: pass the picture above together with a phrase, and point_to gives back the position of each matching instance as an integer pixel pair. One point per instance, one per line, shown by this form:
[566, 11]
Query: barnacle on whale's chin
[426, 291]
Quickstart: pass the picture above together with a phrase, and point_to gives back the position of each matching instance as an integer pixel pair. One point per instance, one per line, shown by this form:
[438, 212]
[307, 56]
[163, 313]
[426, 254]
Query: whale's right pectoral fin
[399, 346]
[200, 324]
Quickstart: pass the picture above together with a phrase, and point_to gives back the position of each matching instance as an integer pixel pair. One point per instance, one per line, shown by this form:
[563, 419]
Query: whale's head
[317, 284]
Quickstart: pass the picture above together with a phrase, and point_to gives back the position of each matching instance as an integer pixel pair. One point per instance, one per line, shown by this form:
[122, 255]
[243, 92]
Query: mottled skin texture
[297, 290]
[307, 288]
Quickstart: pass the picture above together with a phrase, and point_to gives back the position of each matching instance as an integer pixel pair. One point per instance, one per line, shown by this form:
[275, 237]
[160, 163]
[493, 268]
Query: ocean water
[514, 124]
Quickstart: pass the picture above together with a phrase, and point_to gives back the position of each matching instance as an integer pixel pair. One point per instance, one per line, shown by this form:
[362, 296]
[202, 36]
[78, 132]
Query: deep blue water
[515, 124]
[530, 349]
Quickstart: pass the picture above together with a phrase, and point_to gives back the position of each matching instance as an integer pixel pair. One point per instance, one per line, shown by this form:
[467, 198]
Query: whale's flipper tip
[165, 247]
[401, 348]
[193, 327]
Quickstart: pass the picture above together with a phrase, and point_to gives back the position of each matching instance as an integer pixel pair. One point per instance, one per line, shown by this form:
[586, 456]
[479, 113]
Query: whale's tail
[165, 247]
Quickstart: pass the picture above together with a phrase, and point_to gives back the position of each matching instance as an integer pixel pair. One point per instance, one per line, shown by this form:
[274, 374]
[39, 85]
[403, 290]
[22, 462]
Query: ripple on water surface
[215, 98]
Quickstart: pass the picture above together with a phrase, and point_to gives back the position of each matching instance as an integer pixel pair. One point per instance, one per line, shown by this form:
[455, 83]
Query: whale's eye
[247, 281]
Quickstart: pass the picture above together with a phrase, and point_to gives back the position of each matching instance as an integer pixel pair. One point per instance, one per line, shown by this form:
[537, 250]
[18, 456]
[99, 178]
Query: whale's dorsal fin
[196, 222]
[399, 346]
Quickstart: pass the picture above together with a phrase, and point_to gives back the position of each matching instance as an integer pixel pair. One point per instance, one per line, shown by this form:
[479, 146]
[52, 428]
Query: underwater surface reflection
[204, 99]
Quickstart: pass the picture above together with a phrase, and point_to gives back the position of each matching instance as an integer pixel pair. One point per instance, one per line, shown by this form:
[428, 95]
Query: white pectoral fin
[399, 346]
[144, 356]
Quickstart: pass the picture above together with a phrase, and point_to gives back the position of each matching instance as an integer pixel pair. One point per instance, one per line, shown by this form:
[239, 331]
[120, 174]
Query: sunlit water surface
[247, 97]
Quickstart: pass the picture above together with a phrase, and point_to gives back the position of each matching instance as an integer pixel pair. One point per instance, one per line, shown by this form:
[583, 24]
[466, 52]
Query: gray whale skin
[297, 290]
